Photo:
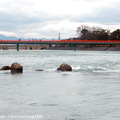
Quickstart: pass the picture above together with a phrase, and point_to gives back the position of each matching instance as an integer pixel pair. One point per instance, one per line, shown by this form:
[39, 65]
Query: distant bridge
[73, 42]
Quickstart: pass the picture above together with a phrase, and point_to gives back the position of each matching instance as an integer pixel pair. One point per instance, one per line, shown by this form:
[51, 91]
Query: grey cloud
[103, 15]
[15, 18]
[13, 22]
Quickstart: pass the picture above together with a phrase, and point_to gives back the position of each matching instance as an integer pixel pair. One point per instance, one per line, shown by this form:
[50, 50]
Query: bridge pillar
[17, 47]
[75, 47]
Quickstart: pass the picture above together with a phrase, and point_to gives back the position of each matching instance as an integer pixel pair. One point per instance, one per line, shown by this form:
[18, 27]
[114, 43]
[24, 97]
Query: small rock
[39, 70]
[5, 68]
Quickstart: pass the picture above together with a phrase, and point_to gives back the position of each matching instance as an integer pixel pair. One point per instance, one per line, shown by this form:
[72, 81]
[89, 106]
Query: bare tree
[94, 33]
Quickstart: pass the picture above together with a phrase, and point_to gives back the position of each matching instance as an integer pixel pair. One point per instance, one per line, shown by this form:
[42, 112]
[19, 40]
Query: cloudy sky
[47, 18]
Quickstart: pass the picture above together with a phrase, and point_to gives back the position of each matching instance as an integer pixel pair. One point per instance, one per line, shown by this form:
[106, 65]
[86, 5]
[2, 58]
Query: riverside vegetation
[96, 33]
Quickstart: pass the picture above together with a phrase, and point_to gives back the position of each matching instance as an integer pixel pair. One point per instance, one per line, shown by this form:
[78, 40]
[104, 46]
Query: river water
[90, 92]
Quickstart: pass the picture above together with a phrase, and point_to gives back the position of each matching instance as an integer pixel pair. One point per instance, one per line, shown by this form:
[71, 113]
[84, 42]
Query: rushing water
[90, 92]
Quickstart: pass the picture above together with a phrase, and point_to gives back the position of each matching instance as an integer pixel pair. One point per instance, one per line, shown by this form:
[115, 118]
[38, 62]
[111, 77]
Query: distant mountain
[3, 37]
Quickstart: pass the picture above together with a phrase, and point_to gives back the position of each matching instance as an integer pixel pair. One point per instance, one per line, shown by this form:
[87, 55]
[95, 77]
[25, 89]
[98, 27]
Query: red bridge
[73, 42]
[59, 41]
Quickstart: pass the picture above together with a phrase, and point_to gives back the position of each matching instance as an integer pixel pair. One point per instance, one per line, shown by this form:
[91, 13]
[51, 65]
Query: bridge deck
[59, 41]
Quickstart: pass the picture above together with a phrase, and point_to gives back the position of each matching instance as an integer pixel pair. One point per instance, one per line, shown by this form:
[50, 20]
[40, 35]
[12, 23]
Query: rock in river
[5, 68]
[16, 68]
[65, 67]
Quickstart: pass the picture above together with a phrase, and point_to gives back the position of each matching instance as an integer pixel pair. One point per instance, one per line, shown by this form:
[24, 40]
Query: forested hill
[96, 33]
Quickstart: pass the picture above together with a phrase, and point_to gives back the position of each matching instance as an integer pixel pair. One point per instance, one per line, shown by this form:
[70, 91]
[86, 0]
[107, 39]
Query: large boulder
[65, 67]
[5, 68]
[16, 68]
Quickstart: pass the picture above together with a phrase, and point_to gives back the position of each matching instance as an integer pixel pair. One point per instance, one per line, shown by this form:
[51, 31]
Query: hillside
[3, 37]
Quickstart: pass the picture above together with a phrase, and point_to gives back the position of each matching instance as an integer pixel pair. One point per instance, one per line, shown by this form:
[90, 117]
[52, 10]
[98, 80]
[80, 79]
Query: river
[90, 92]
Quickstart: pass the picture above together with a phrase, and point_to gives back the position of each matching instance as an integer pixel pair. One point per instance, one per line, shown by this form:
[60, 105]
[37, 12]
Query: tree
[84, 32]
[115, 35]
[103, 35]
[92, 33]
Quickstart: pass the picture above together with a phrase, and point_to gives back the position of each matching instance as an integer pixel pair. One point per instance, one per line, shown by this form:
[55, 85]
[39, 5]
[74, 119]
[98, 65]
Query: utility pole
[59, 36]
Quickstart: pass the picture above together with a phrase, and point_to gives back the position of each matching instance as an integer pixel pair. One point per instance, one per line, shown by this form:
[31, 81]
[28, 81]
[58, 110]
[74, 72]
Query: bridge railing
[60, 41]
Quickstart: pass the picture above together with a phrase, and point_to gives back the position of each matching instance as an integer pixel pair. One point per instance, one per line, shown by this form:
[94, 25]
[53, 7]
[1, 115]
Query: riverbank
[84, 48]
[105, 48]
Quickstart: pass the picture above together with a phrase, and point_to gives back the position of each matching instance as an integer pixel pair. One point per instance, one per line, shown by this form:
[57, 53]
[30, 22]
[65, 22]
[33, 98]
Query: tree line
[96, 33]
